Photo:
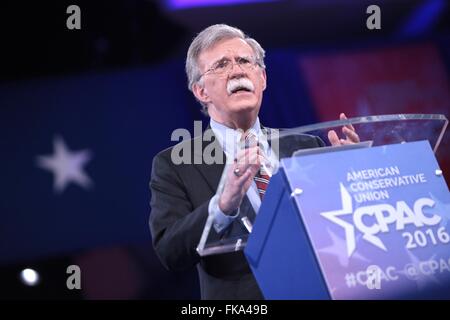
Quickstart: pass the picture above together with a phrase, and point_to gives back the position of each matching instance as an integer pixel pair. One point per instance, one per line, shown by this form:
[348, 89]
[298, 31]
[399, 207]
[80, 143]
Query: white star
[66, 166]
[347, 208]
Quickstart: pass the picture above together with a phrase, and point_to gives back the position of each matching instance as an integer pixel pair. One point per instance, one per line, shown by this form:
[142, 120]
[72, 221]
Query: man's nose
[236, 72]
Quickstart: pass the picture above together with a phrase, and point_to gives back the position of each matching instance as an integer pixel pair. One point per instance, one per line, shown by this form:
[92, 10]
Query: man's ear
[264, 76]
[200, 93]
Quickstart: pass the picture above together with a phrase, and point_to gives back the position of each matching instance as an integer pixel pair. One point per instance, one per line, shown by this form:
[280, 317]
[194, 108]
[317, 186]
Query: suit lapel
[212, 173]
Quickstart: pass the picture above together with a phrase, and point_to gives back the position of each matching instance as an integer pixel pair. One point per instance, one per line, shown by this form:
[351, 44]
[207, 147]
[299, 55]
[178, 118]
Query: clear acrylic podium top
[372, 131]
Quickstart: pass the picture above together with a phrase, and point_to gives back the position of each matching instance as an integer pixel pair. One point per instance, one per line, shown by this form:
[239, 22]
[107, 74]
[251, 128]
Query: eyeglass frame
[254, 62]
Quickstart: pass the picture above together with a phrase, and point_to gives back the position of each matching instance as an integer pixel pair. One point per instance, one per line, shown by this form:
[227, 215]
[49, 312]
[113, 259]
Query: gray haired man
[226, 73]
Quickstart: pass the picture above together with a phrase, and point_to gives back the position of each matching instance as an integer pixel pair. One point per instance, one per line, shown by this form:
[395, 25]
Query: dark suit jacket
[180, 196]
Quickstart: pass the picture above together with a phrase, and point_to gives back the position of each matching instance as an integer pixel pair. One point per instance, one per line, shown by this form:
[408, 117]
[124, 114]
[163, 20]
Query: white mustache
[240, 83]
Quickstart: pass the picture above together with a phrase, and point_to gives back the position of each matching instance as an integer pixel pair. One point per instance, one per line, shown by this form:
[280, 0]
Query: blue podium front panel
[377, 219]
[279, 251]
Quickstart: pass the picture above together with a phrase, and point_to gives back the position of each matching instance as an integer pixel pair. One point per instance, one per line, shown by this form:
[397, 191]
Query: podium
[363, 221]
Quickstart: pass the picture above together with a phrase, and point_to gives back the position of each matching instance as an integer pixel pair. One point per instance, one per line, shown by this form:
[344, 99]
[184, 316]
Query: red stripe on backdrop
[402, 79]
[409, 79]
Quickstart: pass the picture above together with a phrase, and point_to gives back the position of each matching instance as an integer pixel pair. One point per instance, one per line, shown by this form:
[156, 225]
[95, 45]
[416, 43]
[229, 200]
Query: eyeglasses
[225, 65]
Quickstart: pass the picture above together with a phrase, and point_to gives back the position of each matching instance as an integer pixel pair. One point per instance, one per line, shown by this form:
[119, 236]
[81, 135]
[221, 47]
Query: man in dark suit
[226, 73]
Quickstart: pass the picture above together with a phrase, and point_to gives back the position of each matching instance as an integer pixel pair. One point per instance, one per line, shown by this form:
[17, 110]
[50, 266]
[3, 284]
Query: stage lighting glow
[29, 277]
[185, 4]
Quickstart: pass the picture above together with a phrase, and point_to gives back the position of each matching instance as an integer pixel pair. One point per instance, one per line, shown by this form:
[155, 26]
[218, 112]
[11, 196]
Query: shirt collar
[228, 138]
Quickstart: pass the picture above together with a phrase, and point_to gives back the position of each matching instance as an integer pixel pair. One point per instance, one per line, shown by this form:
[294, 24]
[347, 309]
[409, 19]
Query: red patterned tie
[261, 178]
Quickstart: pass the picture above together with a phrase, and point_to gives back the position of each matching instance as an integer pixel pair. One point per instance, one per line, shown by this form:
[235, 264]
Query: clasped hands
[248, 161]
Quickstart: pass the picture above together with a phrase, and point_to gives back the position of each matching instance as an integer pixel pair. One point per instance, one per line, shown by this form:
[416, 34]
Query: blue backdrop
[122, 119]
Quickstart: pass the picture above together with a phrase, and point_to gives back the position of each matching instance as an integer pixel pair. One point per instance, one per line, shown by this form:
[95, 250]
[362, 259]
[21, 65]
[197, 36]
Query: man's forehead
[226, 48]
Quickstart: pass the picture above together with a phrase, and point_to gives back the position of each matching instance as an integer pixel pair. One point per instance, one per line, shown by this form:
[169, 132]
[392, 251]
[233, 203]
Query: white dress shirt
[229, 141]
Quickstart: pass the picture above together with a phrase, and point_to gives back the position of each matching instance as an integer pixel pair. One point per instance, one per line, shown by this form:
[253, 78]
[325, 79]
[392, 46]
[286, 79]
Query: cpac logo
[371, 220]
